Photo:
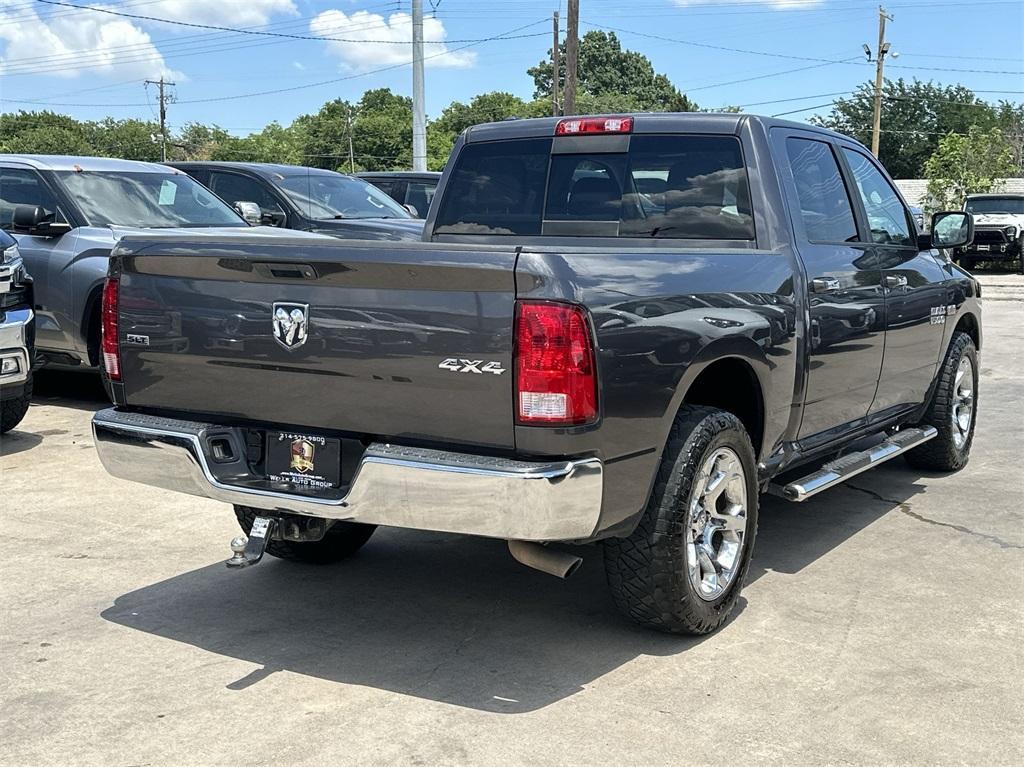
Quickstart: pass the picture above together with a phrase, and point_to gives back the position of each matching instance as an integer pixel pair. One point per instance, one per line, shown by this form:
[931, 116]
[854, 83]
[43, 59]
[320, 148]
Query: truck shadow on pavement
[453, 619]
[79, 390]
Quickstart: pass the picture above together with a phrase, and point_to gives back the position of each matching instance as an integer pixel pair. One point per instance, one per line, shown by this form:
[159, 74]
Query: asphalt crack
[904, 507]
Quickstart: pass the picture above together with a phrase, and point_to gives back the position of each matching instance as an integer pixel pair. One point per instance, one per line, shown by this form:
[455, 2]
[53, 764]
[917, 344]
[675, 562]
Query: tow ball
[249, 551]
[283, 527]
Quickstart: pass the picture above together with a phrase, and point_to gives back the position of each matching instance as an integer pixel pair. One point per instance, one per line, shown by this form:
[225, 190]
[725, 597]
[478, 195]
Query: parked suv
[998, 232]
[310, 199]
[66, 214]
[17, 327]
[413, 189]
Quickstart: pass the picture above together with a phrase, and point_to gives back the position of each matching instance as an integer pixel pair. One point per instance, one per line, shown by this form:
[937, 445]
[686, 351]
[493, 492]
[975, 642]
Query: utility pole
[419, 116]
[163, 115]
[351, 149]
[572, 52]
[880, 53]
[555, 79]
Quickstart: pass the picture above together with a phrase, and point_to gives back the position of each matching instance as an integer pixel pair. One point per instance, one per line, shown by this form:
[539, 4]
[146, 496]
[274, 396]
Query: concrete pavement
[882, 623]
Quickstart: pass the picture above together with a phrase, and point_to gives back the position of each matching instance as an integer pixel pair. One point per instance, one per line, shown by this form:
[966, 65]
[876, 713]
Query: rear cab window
[677, 186]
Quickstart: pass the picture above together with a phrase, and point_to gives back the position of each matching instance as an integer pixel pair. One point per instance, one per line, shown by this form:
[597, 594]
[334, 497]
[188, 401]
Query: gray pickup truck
[617, 329]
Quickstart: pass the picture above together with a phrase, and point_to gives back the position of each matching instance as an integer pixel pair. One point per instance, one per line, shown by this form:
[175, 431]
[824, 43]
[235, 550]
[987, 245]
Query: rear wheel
[952, 411]
[343, 539]
[14, 404]
[682, 569]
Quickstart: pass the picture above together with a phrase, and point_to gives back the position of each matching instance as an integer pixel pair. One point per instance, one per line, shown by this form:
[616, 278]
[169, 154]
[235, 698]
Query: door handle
[824, 284]
[895, 281]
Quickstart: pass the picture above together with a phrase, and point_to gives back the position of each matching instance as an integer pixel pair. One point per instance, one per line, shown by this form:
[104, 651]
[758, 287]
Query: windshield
[332, 195]
[148, 200]
[671, 186]
[1014, 205]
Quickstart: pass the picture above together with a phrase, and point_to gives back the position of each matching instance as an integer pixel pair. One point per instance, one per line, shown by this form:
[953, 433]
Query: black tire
[967, 263]
[647, 572]
[14, 407]
[343, 539]
[943, 453]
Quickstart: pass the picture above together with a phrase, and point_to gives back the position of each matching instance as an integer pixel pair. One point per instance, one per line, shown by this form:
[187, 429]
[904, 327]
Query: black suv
[309, 199]
[411, 188]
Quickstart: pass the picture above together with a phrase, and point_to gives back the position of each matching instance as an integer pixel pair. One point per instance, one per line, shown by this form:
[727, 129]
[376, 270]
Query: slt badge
[291, 324]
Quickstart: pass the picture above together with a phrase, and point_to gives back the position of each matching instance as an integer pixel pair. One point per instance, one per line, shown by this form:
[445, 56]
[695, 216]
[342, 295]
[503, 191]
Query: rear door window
[672, 186]
[824, 202]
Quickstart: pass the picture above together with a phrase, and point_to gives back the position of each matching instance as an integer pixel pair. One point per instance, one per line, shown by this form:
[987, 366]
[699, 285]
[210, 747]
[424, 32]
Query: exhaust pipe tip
[540, 557]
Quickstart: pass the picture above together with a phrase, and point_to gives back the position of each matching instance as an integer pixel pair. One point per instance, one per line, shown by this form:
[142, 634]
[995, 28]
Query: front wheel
[953, 410]
[343, 539]
[14, 404]
[682, 569]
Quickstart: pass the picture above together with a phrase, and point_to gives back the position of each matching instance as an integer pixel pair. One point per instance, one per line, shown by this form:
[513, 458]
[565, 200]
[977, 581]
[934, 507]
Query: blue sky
[743, 52]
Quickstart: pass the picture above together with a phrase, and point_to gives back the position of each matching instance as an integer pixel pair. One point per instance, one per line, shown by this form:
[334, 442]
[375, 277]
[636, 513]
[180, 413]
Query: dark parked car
[566, 357]
[414, 189]
[17, 331]
[308, 199]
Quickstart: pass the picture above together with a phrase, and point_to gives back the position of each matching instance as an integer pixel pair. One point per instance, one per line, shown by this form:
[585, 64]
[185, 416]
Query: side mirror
[274, 218]
[951, 229]
[250, 211]
[32, 219]
[412, 209]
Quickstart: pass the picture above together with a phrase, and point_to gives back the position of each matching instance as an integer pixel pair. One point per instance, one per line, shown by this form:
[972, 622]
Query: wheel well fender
[91, 323]
[730, 374]
[968, 323]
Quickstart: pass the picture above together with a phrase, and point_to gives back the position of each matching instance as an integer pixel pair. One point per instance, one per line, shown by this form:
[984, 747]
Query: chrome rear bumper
[396, 486]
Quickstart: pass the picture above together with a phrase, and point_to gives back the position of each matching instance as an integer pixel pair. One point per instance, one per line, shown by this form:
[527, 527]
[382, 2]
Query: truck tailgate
[360, 344]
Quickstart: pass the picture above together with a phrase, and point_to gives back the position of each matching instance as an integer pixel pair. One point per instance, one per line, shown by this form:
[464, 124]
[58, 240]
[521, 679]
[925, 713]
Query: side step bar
[852, 464]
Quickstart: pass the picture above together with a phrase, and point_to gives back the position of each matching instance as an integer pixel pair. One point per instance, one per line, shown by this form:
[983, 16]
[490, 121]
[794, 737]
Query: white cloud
[362, 27]
[224, 13]
[68, 46]
[782, 5]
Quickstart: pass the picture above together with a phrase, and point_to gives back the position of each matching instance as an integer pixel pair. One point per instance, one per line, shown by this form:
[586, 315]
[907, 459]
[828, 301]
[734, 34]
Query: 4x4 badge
[291, 324]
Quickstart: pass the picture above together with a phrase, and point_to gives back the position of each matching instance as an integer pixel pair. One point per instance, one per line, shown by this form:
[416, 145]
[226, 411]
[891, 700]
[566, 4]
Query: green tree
[605, 68]
[128, 139]
[382, 131]
[915, 116]
[324, 135]
[1010, 119]
[197, 141]
[43, 133]
[967, 164]
[483, 108]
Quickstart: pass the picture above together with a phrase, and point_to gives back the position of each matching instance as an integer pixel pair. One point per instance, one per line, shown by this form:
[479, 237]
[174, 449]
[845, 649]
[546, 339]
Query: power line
[243, 31]
[771, 54]
[501, 36]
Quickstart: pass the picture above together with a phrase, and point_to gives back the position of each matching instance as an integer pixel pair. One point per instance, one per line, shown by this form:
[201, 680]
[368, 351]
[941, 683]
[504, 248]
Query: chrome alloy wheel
[962, 411]
[716, 525]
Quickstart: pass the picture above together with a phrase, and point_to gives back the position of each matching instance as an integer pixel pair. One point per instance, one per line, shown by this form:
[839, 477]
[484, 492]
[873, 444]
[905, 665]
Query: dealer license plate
[306, 460]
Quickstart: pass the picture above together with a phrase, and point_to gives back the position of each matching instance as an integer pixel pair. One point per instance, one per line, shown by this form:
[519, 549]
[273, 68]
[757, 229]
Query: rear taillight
[576, 126]
[556, 378]
[109, 342]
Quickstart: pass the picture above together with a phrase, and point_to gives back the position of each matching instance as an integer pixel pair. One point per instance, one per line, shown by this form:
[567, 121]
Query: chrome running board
[852, 464]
